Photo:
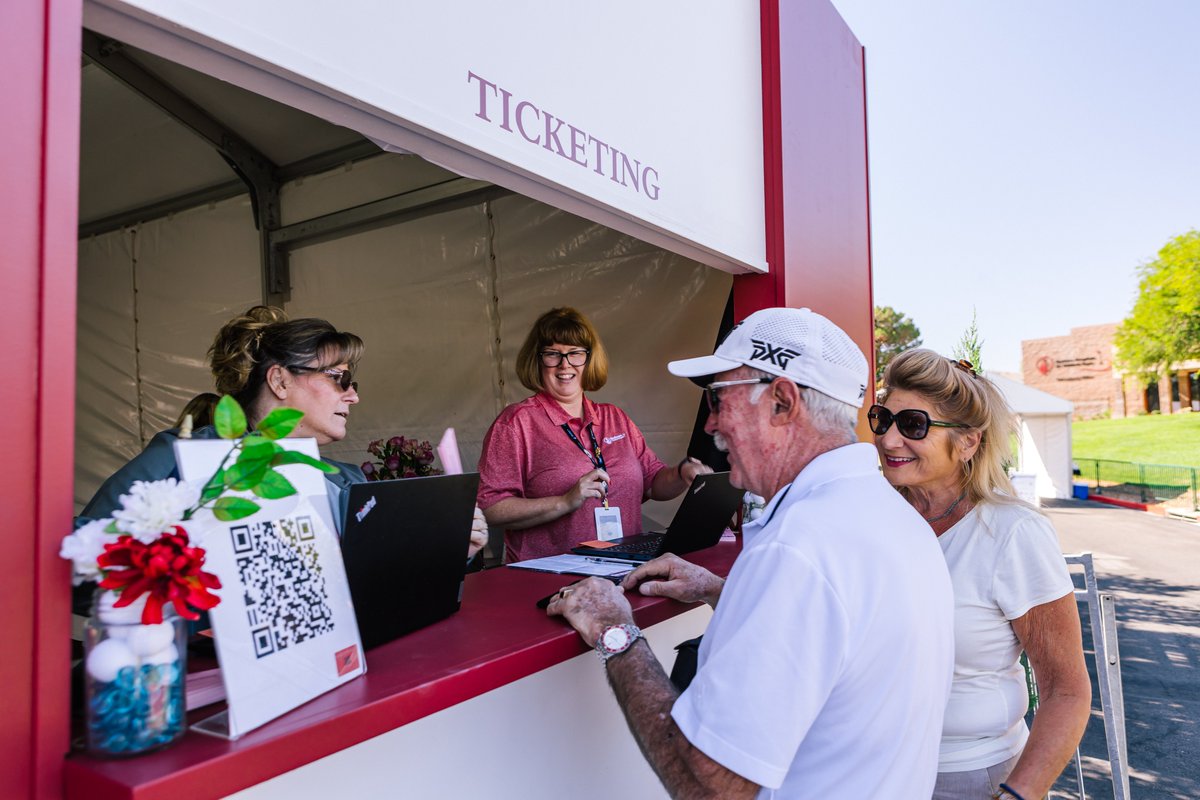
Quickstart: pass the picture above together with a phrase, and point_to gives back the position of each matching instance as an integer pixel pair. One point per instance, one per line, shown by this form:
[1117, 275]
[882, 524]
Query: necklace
[949, 510]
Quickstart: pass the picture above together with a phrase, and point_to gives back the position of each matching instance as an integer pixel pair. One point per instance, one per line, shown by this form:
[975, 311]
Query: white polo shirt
[825, 669]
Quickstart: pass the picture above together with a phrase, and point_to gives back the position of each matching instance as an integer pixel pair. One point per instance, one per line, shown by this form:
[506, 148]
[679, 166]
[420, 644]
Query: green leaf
[294, 457]
[229, 418]
[228, 509]
[280, 422]
[215, 486]
[245, 475]
[112, 527]
[255, 448]
[273, 486]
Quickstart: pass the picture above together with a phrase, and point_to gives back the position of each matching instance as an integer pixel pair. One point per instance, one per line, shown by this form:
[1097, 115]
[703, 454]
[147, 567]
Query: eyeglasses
[913, 423]
[553, 358]
[714, 399]
[342, 378]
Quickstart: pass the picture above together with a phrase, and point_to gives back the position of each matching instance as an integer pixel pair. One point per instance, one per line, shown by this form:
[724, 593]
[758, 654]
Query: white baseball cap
[794, 343]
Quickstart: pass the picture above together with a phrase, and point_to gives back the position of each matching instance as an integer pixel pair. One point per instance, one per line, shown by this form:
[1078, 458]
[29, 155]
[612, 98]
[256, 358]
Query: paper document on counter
[577, 565]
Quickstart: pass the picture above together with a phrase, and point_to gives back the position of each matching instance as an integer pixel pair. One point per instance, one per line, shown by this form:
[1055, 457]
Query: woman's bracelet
[1006, 791]
[679, 467]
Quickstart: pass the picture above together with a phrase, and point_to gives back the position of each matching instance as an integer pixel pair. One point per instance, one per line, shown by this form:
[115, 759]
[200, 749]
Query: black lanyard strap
[595, 456]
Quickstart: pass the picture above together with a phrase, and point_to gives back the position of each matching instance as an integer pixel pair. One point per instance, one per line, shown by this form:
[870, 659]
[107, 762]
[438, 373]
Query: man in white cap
[826, 666]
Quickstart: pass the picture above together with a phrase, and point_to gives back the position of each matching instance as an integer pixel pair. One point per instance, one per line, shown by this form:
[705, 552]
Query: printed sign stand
[285, 629]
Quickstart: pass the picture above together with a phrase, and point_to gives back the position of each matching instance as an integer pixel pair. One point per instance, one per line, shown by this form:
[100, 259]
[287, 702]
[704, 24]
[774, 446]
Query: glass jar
[133, 678]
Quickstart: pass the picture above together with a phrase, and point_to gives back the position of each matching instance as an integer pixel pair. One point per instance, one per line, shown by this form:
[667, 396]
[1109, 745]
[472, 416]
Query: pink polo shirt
[527, 454]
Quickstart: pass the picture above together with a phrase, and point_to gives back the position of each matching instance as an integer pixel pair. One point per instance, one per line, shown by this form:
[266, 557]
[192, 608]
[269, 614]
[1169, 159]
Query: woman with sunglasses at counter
[266, 361]
[943, 435]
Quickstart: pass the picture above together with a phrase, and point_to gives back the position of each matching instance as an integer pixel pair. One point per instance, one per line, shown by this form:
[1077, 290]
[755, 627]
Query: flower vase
[134, 678]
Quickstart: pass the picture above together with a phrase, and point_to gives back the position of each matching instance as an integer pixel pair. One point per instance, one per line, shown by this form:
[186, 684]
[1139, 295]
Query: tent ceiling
[134, 154]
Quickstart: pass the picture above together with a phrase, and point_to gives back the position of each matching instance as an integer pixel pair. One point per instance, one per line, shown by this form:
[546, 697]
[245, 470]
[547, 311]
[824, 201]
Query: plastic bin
[1025, 484]
[1079, 491]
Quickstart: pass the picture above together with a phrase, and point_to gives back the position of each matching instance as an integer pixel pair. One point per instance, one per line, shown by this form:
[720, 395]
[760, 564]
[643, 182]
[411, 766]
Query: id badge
[608, 523]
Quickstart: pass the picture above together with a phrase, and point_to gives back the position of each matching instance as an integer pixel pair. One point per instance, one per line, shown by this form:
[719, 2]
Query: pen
[621, 561]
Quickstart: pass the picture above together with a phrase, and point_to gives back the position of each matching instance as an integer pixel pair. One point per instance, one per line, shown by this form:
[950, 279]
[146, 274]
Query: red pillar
[815, 159]
[39, 170]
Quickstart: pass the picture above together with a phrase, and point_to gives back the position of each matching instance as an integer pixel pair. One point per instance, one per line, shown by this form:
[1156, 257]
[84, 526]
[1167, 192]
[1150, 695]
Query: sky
[1026, 157]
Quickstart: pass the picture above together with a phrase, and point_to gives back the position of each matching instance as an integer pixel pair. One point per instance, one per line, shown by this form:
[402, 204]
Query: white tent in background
[1045, 427]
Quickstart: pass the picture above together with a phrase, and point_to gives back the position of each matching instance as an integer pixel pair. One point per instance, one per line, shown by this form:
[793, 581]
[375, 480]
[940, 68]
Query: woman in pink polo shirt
[556, 465]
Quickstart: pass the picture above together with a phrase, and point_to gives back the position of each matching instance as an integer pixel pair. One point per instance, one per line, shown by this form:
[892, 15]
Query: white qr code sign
[284, 629]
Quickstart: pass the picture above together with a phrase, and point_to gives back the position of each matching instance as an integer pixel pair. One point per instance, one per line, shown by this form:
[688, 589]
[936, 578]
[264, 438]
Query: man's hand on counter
[591, 606]
[671, 576]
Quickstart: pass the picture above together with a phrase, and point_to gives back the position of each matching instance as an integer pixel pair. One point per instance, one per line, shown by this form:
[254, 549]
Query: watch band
[631, 633]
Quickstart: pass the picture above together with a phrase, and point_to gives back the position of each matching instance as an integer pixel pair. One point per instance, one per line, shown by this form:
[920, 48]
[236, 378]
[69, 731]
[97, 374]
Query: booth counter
[497, 700]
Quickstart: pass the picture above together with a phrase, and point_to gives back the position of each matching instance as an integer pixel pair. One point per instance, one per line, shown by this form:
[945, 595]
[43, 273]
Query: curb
[1122, 503]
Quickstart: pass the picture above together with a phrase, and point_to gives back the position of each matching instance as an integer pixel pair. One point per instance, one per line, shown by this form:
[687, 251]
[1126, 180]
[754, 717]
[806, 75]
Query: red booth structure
[817, 248]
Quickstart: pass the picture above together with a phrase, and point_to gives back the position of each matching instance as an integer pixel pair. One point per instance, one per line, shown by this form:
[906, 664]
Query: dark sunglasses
[342, 378]
[913, 423]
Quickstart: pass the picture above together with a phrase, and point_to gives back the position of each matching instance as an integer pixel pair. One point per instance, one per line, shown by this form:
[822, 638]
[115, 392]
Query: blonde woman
[942, 432]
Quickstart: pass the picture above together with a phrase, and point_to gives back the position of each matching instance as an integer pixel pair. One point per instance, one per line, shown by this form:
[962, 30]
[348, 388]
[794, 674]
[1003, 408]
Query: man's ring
[566, 590]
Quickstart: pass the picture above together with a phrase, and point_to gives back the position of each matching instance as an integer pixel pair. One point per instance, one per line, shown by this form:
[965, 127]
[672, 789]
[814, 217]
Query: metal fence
[1172, 485]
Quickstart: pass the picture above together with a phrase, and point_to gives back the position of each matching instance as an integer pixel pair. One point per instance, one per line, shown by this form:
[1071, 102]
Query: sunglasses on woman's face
[913, 423]
[342, 378]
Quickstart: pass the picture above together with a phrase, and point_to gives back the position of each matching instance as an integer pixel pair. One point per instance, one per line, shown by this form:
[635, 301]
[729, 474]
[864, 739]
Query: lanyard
[595, 456]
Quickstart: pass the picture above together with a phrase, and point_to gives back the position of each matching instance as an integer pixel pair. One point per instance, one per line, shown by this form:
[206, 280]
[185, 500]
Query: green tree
[894, 333]
[970, 346]
[1164, 325]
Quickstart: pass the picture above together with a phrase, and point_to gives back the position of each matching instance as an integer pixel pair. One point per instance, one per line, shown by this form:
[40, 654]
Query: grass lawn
[1150, 439]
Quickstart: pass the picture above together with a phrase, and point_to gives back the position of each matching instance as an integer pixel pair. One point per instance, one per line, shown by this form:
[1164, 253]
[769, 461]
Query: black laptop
[706, 511]
[405, 548]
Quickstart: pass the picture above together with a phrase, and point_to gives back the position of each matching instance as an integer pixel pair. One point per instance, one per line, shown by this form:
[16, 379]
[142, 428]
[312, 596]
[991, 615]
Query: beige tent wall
[443, 301]
[107, 421]
[150, 299]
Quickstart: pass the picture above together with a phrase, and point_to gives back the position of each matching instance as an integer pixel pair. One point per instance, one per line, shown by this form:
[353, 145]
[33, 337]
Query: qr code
[285, 597]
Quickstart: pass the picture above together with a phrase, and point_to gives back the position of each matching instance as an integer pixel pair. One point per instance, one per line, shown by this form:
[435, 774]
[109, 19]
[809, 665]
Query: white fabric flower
[83, 547]
[152, 507]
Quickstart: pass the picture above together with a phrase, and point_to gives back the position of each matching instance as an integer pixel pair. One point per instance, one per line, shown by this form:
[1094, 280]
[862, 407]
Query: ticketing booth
[431, 178]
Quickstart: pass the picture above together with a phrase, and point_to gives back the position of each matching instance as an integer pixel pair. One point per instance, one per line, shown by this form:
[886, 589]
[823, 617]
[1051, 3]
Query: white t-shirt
[825, 669]
[1004, 559]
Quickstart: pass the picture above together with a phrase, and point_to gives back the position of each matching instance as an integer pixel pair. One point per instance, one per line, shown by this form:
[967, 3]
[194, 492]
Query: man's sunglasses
[913, 423]
[342, 378]
[714, 399]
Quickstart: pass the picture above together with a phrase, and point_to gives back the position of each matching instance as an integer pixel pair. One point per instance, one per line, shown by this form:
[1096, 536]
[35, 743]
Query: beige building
[1079, 367]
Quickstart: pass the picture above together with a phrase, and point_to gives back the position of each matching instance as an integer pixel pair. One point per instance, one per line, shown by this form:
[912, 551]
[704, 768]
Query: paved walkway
[1152, 567]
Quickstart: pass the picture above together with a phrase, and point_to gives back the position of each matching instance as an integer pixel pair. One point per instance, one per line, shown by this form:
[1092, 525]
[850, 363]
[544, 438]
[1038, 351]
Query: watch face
[615, 638]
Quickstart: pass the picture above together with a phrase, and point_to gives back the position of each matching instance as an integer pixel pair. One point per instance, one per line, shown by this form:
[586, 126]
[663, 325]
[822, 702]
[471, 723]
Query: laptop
[405, 549]
[706, 511]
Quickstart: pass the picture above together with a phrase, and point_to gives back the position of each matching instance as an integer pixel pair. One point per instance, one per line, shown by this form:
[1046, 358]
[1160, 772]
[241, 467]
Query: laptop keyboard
[647, 546]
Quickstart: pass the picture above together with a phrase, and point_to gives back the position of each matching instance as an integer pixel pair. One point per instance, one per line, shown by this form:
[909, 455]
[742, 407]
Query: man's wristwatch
[616, 639]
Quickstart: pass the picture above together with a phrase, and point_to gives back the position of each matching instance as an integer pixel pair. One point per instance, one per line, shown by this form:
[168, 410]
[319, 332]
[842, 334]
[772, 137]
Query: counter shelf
[497, 637]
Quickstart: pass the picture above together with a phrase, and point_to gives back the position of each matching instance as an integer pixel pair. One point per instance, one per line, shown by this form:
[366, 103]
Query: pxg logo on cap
[765, 351]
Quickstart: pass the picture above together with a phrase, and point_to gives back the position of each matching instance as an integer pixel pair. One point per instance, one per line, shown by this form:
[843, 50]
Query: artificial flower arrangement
[145, 556]
[399, 458]
[145, 548]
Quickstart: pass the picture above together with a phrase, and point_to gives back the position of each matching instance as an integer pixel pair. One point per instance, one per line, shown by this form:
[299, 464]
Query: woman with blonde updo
[943, 433]
[266, 361]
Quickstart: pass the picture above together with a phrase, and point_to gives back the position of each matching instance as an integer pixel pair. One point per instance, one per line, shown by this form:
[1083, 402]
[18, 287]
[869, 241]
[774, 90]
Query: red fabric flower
[168, 569]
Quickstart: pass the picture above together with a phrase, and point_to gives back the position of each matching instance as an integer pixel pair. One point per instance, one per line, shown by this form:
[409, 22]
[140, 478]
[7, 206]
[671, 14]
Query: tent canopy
[1045, 436]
